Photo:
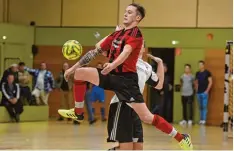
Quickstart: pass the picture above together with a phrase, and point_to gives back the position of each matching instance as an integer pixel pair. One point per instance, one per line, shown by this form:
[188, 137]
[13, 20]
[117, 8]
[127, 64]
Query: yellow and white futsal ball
[72, 50]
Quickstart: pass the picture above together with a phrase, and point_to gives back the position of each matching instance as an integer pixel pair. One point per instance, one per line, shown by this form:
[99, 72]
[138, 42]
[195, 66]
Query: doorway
[161, 102]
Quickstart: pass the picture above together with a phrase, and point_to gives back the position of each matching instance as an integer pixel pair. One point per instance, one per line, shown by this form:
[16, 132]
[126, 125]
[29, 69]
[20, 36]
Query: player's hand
[67, 73]
[107, 68]
[156, 59]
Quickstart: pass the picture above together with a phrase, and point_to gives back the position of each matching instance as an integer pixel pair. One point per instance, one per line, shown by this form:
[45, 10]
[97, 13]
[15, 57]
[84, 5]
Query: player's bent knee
[148, 119]
[87, 74]
[79, 74]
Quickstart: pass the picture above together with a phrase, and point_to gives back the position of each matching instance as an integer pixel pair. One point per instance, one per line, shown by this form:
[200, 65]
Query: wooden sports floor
[64, 135]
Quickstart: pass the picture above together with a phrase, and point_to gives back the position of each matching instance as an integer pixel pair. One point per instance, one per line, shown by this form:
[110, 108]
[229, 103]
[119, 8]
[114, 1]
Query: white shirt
[144, 72]
[40, 80]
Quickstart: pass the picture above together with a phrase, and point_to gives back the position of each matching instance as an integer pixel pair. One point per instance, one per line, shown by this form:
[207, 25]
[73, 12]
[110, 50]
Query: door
[163, 103]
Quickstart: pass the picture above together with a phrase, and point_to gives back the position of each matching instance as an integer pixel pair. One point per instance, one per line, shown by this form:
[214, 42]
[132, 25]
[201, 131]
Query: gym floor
[65, 135]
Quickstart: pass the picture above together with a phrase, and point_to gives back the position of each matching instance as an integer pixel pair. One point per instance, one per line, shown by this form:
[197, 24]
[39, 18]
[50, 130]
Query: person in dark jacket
[65, 88]
[166, 104]
[10, 98]
[13, 69]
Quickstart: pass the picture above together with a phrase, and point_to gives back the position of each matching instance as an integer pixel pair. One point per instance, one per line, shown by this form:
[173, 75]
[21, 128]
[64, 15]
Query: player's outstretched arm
[160, 71]
[87, 58]
[101, 47]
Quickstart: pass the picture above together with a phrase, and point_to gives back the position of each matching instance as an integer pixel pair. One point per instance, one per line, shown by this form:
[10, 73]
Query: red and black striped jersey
[115, 43]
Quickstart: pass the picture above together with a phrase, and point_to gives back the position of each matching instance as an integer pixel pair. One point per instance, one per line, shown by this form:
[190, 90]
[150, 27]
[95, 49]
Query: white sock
[173, 132]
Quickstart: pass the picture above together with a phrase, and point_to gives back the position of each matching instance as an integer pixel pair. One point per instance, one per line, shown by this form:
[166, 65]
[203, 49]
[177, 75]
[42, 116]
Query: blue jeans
[203, 101]
[88, 103]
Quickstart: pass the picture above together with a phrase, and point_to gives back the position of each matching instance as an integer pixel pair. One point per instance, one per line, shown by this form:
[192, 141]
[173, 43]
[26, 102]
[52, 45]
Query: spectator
[10, 98]
[203, 86]
[66, 90]
[24, 79]
[98, 94]
[43, 83]
[88, 103]
[187, 81]
[166, 104]
[13, 69]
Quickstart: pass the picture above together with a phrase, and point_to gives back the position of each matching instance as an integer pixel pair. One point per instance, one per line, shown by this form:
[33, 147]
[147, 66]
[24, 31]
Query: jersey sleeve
[153, 79]
[208, 74]
[134, 42]
[135, 39]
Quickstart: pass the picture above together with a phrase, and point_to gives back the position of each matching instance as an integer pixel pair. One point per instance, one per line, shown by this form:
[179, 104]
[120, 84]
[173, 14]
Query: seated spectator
[10, 98]
[43, 83]
[24, 79]
[13, 69]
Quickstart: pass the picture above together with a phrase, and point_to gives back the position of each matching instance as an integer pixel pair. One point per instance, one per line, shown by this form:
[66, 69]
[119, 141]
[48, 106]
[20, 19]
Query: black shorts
[125, 86]
[124, 125]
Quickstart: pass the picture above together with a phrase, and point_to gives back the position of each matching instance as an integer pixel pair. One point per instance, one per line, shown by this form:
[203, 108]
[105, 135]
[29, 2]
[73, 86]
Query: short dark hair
[201, 61]
[140, 9]
[187, 65]
[10, 74]
[21, 64]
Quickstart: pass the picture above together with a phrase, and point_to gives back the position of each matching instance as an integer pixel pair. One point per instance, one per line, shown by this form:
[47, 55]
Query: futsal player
[119, 75]
[130, 135]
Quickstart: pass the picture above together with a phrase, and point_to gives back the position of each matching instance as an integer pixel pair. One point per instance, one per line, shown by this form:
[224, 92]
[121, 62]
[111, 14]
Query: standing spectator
[24, 79]
[203, 86]
[13, 69]
[66, 90]
[10, 98]
[165, 96]
[43, 83]
[98, 94]
[88, 103]
[187, 81]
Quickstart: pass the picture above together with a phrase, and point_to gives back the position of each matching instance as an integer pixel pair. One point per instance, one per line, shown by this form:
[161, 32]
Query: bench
[30, 114]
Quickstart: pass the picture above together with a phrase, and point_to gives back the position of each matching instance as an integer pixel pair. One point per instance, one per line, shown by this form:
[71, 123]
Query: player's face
[131, 15]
